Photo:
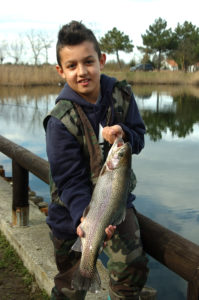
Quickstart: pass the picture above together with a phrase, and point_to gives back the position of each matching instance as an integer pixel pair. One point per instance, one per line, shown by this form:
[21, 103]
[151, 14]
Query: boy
[90, 101]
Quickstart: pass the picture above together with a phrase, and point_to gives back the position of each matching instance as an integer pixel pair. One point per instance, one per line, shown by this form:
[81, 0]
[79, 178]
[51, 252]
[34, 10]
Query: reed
[158, 77]
[46, 75]
[24, 75]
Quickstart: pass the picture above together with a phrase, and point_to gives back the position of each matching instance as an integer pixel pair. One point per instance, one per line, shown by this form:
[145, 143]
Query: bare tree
[3, 50]
[46, 42]
[36, 44]
[16, 50]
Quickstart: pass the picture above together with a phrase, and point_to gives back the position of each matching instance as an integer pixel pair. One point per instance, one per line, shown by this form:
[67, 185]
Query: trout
[107, 207]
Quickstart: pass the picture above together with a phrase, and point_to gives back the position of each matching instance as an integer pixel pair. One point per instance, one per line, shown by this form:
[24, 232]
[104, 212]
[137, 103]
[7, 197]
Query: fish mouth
[119, 142]
[114, 156]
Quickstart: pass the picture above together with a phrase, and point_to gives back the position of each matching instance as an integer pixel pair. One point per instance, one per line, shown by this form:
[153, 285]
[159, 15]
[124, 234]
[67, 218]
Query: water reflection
[21, 115]
[22, 111]
[167, 169]
[168, 172]
[26, 106]
[36, 93]
[163, 113]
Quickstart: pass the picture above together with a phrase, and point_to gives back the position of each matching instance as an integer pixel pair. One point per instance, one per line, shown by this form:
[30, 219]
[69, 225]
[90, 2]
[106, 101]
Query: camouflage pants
[127, 264]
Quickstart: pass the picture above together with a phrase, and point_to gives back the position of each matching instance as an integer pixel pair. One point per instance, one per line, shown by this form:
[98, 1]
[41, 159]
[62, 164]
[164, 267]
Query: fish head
[119, 155]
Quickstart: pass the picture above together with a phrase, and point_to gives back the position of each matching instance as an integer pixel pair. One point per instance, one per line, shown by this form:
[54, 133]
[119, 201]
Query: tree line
[159, 43]
[34, 43]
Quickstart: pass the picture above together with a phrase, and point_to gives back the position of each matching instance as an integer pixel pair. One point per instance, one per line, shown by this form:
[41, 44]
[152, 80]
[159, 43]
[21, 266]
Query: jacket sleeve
[134, 127]
[68, 169]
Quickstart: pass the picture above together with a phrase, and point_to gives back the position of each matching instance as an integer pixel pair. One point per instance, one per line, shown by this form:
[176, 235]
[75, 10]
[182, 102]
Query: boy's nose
[82, 70]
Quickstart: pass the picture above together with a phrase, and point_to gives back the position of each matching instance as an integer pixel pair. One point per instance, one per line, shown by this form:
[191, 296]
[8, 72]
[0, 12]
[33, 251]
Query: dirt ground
[15, 281]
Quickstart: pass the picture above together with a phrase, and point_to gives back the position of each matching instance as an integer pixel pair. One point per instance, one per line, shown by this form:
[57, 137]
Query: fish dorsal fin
[119, 219]
[85, 213]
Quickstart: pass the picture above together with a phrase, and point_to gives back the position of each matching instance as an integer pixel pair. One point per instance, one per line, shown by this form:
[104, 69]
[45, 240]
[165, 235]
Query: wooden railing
[23, 162]
[170, 249]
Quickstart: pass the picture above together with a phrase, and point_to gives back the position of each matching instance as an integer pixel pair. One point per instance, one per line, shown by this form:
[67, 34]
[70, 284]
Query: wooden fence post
[20, 205]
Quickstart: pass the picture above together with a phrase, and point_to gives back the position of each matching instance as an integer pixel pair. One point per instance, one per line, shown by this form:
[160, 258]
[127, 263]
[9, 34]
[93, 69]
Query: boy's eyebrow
[89, 56]
[73, 60]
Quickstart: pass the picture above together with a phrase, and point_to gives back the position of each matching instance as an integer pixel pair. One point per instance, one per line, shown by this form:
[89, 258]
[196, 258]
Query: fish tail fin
[81, 282]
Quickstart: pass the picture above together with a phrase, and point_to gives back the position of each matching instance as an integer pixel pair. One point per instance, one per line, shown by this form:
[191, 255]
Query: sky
[132, 17]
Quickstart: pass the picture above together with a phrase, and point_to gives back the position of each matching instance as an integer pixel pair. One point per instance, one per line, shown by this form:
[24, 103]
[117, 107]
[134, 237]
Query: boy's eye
[71, 66]
[89, 61]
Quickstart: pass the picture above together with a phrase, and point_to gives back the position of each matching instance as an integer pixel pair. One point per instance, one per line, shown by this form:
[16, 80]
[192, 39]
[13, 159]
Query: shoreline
[46, 75]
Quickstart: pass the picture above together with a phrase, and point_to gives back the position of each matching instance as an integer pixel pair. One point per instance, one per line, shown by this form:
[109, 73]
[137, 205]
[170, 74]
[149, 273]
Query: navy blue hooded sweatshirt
[67, 164]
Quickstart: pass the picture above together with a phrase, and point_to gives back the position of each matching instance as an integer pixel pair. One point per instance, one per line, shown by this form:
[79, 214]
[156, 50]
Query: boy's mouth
[84, 82]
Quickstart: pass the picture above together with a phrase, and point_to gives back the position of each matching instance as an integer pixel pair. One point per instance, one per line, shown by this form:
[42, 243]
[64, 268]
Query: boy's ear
[102, 61]
[60, 71]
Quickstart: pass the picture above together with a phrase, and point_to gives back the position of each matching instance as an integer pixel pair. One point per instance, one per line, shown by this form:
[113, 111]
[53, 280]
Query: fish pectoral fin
[81, 282]
[77, 246]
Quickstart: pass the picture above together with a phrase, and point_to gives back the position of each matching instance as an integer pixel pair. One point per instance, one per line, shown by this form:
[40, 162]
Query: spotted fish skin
[107, 207]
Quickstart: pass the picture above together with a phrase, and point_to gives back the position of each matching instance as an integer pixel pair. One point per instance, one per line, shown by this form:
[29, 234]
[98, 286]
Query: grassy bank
[20, 75]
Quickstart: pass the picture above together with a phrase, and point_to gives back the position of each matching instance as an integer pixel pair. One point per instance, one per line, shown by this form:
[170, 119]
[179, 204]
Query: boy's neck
[93, 100]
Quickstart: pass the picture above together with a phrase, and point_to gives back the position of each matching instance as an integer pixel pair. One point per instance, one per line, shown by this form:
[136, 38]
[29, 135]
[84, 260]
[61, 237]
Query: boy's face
[80, 67]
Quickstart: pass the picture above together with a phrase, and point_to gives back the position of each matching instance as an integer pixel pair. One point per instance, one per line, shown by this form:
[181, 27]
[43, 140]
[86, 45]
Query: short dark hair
[75, 33]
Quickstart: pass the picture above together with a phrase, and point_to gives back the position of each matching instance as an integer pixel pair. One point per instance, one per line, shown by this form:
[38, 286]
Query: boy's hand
[79, 230]
[109, 232]
[110, 133]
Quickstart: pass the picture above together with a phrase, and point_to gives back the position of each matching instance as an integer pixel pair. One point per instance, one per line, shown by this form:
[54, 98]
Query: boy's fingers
[80, 231]
[109, 232]
[110, 133]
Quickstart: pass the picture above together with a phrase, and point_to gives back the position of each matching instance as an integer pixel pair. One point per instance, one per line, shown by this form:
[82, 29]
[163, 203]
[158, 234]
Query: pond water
[167, 169]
